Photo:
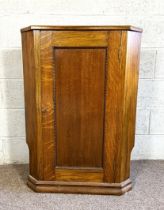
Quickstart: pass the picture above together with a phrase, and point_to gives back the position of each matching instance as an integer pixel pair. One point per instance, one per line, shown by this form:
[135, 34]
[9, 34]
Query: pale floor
[147, 193]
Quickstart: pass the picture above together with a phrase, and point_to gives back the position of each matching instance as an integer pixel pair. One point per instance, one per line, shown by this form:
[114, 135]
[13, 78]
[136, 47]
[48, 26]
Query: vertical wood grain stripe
[48, 115]
[114, 104]
[36, 37]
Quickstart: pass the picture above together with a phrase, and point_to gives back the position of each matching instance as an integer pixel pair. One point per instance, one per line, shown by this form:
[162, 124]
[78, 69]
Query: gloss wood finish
[80, 87]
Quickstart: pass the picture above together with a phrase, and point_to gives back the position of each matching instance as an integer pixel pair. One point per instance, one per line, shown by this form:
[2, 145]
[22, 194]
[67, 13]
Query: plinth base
[79, 187]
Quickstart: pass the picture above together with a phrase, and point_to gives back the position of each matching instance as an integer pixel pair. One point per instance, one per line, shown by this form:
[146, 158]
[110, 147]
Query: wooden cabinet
[80, 105]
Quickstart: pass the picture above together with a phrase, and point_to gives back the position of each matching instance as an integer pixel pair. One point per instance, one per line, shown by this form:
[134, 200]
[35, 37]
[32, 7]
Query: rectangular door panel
[79, 106]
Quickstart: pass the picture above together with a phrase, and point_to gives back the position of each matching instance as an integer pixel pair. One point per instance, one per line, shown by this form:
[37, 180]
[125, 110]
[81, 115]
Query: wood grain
[79, 39]
[47, 97]
[114, 104]
[122, 80]
[79, 110]
[130, 101]
[31, 66]
[83, 28]
[79, 175]
[80, 187]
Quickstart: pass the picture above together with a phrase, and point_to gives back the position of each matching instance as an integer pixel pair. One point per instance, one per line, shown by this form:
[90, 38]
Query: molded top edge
[82, 28]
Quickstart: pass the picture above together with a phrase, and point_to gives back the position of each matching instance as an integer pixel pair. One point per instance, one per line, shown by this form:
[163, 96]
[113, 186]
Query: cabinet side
[31, 71]
[130, 100]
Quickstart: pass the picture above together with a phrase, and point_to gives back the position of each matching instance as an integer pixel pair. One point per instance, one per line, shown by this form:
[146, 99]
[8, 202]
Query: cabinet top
[82, 28]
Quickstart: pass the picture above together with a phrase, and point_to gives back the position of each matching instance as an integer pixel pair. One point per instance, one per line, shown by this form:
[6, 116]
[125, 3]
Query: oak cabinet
[80, 87]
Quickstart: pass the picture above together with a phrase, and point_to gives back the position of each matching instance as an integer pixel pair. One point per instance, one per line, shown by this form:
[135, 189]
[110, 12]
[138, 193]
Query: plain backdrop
[148, 14]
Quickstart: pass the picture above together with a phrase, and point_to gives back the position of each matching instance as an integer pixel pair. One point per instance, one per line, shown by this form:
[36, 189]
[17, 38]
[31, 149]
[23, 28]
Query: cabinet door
[73, 66]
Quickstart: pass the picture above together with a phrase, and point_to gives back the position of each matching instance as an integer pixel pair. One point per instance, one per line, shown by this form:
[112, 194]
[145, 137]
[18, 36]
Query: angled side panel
[130, 101]
[31, 68]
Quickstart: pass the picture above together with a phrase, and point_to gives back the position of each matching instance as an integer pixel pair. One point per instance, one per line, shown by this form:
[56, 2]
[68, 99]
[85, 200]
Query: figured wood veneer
[79, 110]
[80, 104]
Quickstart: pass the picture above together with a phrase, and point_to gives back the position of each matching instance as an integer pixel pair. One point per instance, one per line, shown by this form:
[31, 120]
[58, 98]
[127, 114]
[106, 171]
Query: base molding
[79, 187]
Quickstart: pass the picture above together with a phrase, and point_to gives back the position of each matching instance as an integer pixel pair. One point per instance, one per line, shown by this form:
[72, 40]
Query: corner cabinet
[80, 87]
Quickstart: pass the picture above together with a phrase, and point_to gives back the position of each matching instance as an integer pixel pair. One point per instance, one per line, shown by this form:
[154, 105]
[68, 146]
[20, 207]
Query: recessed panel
[79, 106]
